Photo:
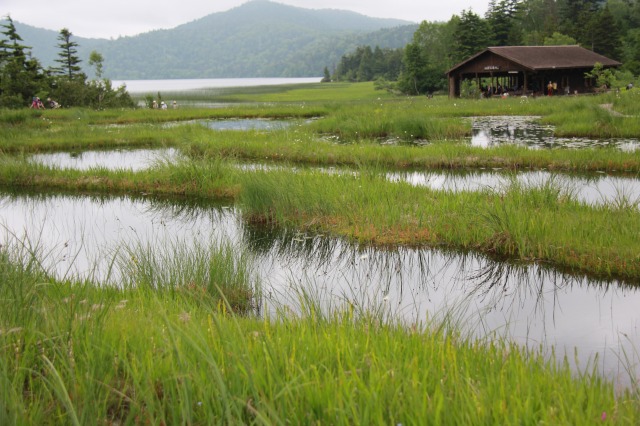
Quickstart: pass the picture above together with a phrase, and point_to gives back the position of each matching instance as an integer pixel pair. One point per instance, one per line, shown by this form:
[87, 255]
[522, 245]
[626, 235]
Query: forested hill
[258, 39]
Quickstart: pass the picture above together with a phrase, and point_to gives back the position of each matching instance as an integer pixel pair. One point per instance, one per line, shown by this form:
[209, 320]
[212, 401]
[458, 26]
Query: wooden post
[452, 86]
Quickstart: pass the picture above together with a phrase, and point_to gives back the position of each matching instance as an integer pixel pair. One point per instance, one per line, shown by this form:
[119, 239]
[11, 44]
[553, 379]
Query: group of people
[163, 105]
[36, 103]
[489, 91]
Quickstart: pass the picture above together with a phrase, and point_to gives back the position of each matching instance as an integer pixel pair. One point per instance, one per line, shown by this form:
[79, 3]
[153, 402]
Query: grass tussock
[543, 224]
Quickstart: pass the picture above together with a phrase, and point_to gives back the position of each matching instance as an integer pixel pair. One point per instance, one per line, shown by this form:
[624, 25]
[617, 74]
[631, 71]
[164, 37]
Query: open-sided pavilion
[529, 69]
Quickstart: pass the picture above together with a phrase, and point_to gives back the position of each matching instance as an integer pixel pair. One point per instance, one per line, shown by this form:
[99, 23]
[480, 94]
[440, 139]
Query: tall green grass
[221, 273]
[80, 354]
[543, 224]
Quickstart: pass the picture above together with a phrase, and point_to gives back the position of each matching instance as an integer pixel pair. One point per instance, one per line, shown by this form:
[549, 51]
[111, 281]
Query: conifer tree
[472, 34]
[21, 76]
[68, 56]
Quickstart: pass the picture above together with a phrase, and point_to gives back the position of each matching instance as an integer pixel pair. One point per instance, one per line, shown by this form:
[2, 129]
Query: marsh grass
[219, 273]
[549, 225]
[80, 354]
[402, 120]
[206, 179]
[311, 94]
[542, 224]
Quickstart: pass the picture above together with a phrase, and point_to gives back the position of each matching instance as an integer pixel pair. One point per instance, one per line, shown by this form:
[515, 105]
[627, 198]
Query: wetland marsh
[517, 269]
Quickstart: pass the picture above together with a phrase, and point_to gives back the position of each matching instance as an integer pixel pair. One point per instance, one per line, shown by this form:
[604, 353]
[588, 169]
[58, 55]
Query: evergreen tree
[502, 18]
[68, 56]
[604, 34]
[538, 20]
[365, 68]
[471, 35]
[21, 77]
[327, 76]
[576, 17]
[631, 51]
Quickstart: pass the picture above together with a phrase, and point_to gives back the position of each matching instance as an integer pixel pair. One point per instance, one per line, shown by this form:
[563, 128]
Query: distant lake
[153, 86]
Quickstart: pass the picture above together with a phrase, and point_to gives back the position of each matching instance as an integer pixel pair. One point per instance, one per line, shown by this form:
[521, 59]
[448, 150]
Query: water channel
[533, 306]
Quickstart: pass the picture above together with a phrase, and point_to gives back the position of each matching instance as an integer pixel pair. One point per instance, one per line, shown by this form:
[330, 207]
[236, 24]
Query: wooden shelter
[529, 69]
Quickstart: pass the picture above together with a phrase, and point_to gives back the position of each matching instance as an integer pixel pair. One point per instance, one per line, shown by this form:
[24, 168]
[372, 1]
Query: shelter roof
[535, 58]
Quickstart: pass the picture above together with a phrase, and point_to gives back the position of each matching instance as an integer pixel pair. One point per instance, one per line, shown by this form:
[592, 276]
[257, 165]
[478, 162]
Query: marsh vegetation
[206, 287]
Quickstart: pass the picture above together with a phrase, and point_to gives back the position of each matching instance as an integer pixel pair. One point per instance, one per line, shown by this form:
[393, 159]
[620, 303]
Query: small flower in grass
[184, 317]
[603, 417]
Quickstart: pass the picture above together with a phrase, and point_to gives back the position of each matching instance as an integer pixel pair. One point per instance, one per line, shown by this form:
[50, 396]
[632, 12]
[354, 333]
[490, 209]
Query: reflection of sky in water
[498, 130]
[131, 159]
[594, 189]
[246, 124]
[78, 236]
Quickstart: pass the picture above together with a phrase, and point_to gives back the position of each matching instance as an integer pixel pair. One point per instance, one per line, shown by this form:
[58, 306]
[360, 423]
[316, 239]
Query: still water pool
[531, 305]
[527, 131]
[592, 189]
[129, 159]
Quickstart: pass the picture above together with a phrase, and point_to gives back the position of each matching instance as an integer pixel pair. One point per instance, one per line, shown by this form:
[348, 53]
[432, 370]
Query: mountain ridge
[260, 38]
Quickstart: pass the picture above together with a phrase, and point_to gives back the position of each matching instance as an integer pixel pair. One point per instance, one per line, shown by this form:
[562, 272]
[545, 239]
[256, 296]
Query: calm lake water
[533, 306]
[178, 85]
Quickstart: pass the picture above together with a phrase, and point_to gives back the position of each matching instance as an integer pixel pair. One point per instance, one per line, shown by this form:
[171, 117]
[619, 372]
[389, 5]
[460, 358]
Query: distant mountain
[258, 39]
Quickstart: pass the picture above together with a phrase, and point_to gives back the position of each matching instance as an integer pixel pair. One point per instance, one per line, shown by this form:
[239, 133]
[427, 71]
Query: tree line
[23, 79]
[609, 27]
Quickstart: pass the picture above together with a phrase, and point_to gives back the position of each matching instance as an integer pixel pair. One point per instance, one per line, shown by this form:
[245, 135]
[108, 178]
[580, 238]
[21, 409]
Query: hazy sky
[114, 18]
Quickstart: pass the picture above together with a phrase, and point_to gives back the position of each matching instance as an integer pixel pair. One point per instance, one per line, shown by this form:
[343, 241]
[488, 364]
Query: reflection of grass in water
[213, 273]
[544, 223]
[73, 353]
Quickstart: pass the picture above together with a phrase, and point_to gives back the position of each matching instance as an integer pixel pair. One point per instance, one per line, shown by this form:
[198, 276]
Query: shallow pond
[592, 189]
[247, 124]
[527, 131]
[78, 236]
[130, 159]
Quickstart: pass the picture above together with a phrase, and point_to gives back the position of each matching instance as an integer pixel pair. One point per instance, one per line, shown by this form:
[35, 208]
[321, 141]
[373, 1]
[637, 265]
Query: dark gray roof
[547, 57]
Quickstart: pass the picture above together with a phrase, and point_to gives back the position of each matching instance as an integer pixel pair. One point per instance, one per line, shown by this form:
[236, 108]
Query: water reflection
[528, 304]
[129, 159]
[527, 131]
[246, 124]
[591, 189]
[532, 305]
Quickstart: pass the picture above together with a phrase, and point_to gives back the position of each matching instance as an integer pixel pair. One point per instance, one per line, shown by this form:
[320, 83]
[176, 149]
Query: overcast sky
[114, 18]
